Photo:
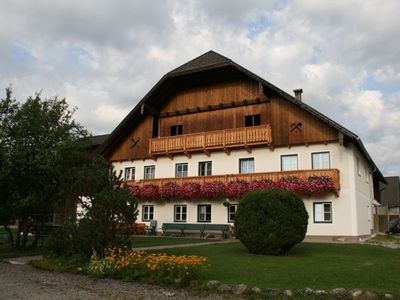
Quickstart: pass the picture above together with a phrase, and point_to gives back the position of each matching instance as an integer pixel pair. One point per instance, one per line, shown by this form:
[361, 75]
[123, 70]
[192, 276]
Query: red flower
[170, 190]
[149, 191]
[236, 189]
[214, 189]
[134, 190]
[190, 190]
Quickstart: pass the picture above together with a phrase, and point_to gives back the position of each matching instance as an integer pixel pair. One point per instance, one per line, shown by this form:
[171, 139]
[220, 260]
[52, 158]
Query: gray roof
[97, 140]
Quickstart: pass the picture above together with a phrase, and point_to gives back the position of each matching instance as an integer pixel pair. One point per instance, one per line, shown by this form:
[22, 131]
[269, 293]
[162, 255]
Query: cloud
[105, 57]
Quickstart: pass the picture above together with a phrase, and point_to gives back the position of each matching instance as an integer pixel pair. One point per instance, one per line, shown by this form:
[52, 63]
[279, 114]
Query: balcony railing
[274, 176]
[211, 140]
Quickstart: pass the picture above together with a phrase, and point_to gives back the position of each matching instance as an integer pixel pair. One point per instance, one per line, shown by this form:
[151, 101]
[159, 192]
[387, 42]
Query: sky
[104, 56]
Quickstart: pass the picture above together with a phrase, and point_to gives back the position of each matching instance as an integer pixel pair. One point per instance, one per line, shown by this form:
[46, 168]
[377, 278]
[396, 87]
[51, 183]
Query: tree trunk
[18, 238]
[10, 235]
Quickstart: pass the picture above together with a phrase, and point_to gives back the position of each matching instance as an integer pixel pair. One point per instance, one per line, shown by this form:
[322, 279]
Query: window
[252, 120]
[246, 165]
[129, 173]
[323, 212]
[180, 213]
[205, 168]
[231, 212]
[321, 160]
[204, 213]
[181, 170]
[149, 172]
[176, 129]
[147, 212]
[289, 162]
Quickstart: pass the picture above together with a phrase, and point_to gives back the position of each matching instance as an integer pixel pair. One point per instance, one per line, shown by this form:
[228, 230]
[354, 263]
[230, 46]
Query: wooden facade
[216, 107]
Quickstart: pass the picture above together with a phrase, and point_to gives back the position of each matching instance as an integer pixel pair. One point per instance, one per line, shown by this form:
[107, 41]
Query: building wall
[346, 220]
[363, 194]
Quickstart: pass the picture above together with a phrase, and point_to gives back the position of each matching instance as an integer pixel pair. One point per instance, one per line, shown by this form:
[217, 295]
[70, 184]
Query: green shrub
[98, 229]
[271, 221]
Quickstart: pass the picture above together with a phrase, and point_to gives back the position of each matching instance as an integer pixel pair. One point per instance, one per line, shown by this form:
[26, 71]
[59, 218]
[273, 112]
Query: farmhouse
[210, 130]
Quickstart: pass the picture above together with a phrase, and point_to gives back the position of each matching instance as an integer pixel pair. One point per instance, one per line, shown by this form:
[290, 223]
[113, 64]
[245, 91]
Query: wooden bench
[40, 231]
[201, 227]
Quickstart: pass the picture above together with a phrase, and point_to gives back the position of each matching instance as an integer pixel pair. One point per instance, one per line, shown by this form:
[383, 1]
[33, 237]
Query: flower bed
[127, 264]
[313, 186]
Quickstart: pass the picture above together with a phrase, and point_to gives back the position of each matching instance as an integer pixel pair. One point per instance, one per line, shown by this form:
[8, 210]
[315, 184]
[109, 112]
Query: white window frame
[231, 215]
[149, 172]
[180, 216]
[180, 170]
[320, 160]
[204, 216]
[247, 169]
[207, 168]
[291, 168]
[320, 212]
[147, 212]
[129, 173]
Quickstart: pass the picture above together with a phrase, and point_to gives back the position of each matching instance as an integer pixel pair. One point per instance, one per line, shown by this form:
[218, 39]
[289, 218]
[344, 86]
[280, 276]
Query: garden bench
[223, 228]
[40, 231]
[201, 227]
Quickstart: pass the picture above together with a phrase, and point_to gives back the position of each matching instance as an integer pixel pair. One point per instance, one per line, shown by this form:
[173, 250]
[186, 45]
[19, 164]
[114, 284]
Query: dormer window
[252, 120]
[176, 129]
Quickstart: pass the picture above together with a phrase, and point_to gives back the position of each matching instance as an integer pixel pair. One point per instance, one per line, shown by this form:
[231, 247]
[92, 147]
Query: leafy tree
[45, 162]
[271, 221]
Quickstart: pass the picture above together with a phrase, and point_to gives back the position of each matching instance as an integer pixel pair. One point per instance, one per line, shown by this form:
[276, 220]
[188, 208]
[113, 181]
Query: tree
[43, 155]
[271, 221]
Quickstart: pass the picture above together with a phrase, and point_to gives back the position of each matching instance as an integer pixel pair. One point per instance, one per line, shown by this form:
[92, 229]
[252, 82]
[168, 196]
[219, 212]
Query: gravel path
[25, 282]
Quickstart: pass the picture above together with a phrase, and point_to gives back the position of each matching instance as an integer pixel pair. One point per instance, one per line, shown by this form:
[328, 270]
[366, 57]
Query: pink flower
[170, 190]
[214, 189]
[190, 190]
[134, 190]
[236, 189]
[149, 191]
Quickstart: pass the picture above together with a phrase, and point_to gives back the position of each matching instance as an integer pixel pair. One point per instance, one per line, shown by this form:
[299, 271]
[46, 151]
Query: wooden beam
[247, 148]
[206, 152]
[188, 154]
[227, 151]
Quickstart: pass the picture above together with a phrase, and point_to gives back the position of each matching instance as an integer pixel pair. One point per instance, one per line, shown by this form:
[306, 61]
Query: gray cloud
[104, 56]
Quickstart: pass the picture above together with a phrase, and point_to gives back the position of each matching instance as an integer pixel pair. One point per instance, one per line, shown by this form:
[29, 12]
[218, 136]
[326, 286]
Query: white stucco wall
[363, 194]
[350, 216]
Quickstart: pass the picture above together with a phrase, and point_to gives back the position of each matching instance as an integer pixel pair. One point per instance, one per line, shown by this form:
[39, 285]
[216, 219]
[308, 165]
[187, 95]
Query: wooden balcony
[274, 176]
[245, 137]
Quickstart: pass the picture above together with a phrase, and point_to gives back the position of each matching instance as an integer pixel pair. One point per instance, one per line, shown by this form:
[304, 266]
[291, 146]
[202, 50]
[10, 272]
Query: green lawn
[6, 251]
[149, 241]
[318, 266]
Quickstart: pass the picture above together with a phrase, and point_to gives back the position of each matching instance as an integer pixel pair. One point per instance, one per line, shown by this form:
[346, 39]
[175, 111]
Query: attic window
[176, 130]
[252, 120]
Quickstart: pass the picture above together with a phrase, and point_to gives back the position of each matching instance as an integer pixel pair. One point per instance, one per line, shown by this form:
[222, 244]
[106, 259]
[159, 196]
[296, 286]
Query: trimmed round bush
[271, 221]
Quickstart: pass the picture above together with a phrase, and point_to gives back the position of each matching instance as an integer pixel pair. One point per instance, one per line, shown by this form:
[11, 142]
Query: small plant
[127, 264]
[271, 221]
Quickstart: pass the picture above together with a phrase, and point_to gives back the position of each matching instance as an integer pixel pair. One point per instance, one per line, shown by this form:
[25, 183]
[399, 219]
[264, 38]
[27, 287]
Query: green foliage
[98, 229]
[39, 146]
[271, 221]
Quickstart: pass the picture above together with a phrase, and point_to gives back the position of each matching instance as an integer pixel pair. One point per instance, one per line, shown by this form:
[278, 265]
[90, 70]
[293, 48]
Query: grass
[318, 266]
[73, 264]
[6, 251]
[150, 241]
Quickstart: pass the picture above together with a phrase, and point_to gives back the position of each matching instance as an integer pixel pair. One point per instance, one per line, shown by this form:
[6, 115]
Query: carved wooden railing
[274, 176]
[211, 140]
